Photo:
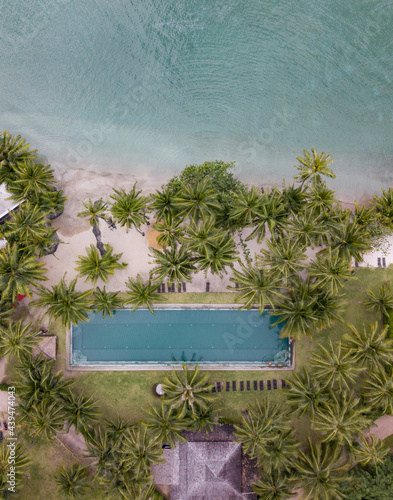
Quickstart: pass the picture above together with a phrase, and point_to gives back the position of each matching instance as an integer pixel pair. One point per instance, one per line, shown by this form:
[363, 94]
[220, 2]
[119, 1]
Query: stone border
[157, 367]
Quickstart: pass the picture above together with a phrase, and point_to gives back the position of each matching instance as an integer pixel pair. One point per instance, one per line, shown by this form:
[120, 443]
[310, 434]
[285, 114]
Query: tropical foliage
[106, 302]
[129, 208]
[65, 302]
[18, 272]
[142, 294]
[187, 392]
[94, 266]
[73, 481]
[17, 339]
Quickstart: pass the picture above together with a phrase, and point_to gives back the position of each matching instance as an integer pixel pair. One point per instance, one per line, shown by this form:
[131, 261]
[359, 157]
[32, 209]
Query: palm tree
[350, 240]
[329, 271]
[6, 310]
[370, 451]
[245, 207]
[281, 451]
[370, 348]
[321, 199]
[320, 471]
[80, 411]
[94, 211]
[187, 391]
[312, 166]
[328, 307]
[253, 434]
[255, 286]
[129, 209]
[201, 237]
[18, 271]
[272, 213]
[383, 206]
[16, 464]
[65, 302]
[45, 418]
[116, 431]
[341, 418]
[381, 301]
[94, 266]
[196, 201]
[32, 180]
[283, 258]
[170, 229]
[51, 202]
[260, 428]
[305, 393]
[298, 312]
[13, 151]
[205, 418]
[175, 264]
[276, 485]
[27, 228]
[17, 340]
[306, 228]
[164, 425]
[73, 482]
[106, 302]
[335, 367]
[294, 198]
[140, 451]
[378, 390]
[102, 447]
[37, 382]
[162, 203]
[216, 258]
[142, 294]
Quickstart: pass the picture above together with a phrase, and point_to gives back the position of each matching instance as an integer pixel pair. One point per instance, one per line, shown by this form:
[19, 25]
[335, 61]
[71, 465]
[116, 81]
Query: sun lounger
[234, 386]
[283, 384]
[228, 386]
[255, 385]
[248, 385]
[269, 385]
[261, 385]
[274, 383]
[242, 386]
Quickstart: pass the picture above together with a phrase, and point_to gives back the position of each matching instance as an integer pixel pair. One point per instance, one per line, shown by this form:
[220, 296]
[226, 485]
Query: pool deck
[178, 366]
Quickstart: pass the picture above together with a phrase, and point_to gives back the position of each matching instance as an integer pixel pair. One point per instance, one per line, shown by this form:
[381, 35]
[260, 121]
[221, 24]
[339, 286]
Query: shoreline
[76, 234]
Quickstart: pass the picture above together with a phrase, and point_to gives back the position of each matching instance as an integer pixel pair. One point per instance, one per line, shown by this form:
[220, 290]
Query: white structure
[6, 205]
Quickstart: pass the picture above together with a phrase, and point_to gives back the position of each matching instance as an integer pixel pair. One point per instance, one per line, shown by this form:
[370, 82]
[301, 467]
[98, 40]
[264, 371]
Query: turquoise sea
[149, 86]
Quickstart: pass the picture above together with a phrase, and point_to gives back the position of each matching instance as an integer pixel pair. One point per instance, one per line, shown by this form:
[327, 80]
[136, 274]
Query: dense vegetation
[201, 216]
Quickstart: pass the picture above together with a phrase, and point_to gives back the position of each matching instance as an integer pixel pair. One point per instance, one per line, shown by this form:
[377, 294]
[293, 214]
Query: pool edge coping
[147, 367]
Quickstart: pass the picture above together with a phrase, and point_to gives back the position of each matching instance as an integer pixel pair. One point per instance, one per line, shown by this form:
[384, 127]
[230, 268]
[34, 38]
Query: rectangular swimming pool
[174, 336]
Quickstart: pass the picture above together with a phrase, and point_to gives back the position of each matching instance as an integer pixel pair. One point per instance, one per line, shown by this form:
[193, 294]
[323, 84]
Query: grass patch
[47, 459]
[128, 393]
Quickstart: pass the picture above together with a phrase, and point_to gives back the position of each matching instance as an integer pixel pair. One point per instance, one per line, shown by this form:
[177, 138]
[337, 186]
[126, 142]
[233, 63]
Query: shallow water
[151, 86]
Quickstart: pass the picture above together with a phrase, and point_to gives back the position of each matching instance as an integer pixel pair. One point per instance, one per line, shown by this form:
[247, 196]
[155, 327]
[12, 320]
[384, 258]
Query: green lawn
[128, 393]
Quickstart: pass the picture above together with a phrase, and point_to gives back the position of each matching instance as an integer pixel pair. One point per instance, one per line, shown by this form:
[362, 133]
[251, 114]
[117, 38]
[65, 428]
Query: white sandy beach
[76, 234]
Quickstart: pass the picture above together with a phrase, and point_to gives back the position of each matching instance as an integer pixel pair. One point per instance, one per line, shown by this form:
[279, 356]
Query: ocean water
[149, 86]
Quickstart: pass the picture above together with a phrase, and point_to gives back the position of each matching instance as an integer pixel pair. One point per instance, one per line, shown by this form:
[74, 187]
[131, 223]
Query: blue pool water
[214, 336]
[150, 86]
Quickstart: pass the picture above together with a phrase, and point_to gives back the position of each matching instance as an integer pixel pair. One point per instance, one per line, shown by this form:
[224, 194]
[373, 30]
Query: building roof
[46, 346]
[204, 468]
